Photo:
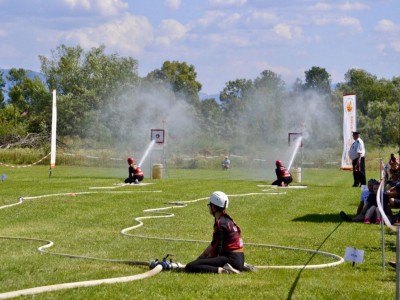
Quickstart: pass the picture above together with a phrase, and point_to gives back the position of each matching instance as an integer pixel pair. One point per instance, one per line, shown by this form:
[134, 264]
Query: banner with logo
[349, 125]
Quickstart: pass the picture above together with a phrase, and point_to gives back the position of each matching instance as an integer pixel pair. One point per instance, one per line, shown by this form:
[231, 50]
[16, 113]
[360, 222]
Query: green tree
[265, 106]
[30, 99]
[233, 102]
[87, 83]
[213, 119]
[377, 105]
[361, 83]
[182, 78]
[318, 79]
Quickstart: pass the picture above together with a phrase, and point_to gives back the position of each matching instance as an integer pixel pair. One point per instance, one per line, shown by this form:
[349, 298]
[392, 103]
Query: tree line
[102, 99]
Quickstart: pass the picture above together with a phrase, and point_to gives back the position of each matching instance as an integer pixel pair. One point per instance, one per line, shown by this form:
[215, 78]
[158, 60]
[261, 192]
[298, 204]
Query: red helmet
[278, 163]
[131, 160]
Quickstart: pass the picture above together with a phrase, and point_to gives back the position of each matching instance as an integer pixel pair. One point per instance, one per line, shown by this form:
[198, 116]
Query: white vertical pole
[53, 133]
[382, 177]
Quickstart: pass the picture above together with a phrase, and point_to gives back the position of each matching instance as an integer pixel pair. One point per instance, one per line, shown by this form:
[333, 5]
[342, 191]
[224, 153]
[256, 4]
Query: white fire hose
[155, 265]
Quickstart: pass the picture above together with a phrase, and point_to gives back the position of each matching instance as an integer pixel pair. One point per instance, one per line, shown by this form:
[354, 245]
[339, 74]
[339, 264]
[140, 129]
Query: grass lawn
[87, 212]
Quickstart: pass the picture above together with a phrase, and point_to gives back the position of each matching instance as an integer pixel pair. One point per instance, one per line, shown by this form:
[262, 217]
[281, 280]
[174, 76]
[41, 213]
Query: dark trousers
[211, 265]
[359, 173]
[285, 180]
[133, 178]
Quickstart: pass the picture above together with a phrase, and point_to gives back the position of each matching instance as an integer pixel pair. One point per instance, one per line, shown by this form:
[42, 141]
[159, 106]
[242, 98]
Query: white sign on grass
[354, 255]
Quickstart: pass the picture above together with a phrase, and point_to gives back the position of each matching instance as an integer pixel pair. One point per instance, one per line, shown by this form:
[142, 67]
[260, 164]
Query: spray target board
[157, 135]
[293, 136]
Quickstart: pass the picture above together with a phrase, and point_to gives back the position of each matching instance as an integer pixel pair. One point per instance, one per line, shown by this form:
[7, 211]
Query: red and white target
[157, 135]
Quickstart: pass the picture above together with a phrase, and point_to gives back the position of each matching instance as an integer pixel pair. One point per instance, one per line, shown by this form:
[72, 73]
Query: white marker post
[53, 133]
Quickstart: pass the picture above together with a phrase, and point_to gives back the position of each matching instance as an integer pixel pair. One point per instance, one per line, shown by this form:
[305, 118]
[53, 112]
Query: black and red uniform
[226, 247]
[283, 176]
[135, 174]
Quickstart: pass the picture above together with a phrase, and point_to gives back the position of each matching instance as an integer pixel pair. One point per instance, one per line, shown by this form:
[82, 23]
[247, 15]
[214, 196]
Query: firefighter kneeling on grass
[283, 175]
[135, 173]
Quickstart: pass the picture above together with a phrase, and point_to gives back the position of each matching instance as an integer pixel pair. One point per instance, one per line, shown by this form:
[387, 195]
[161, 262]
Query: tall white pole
[53, 133]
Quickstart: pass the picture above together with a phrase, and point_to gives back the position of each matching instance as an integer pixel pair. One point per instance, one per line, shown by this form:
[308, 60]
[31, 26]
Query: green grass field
[85, 219]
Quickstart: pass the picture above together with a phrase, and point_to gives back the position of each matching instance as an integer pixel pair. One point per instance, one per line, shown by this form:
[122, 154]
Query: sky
[223, 39]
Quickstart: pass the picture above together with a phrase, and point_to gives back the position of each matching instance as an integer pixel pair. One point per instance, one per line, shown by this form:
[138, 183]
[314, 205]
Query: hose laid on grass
[49, 288]
[24, 166]
[180, 204]
[22, 199]
[72, 285]
[158, 268]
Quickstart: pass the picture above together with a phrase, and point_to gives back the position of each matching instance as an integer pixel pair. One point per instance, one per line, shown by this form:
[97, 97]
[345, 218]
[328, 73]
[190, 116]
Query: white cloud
[129, 34]
[347, 6]
[210, 17]
[389, 32]
[226, 40]
[387, 26]
[353, 6]
[263, 16]
[217, 18]
[104, 7]
[85, 4]
[111, 7]
[227, 3]
[287, 32]
[229, 20]
[173, 4]
[350, 22]
[170, 31]
[321, 6]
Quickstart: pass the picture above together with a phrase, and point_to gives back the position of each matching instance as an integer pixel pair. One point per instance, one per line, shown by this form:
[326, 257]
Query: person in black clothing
[357, 156]
[135, 173]
[225, 253]
[283, 175]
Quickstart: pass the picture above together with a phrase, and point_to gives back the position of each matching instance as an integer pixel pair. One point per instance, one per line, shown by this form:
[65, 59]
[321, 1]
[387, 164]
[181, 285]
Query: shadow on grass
[319, 218]
[294, 285]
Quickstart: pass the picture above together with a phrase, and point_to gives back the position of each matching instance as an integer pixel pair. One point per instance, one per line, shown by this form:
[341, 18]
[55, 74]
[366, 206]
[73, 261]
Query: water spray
[296, 149]
[147, 152]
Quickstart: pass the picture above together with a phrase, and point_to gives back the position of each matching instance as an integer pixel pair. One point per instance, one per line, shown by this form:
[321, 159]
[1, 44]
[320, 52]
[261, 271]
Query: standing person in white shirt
[357, 155]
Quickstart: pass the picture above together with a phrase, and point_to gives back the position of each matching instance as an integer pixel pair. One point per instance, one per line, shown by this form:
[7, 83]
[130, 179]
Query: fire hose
[156, 266]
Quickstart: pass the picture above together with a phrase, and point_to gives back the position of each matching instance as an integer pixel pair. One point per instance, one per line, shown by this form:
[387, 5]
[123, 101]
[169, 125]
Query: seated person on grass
[369, 212]
[364, 195]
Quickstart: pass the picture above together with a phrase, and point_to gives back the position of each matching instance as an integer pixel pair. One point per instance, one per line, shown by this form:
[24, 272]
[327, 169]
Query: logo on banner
[349, 106]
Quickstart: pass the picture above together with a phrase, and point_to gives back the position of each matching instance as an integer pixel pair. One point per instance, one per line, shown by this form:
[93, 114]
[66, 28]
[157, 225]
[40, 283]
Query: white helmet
[219, 199]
